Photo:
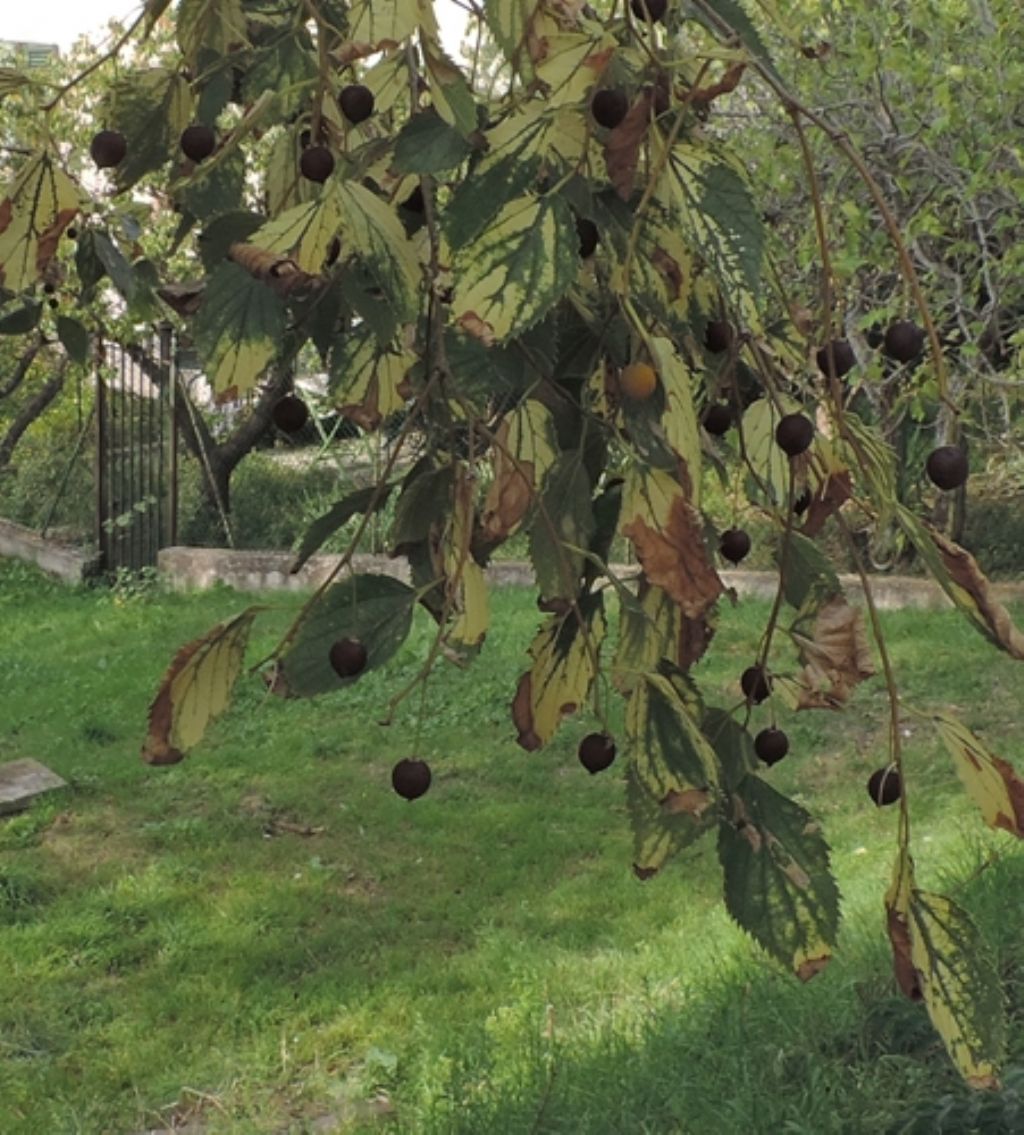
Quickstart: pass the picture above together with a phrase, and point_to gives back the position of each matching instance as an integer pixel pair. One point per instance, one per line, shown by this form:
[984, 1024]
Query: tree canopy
[550, 262]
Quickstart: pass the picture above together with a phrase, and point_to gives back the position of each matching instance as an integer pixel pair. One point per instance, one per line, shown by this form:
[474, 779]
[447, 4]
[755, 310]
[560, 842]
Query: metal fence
[136, 454]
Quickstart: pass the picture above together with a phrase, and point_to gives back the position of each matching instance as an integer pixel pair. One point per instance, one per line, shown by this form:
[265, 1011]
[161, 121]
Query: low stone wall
[67, 563]
[186, 568]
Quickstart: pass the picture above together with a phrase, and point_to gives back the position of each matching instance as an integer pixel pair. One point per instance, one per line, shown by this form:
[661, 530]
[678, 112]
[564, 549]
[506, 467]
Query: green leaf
[88, 264]
[217, 25]
[768, 462]
[449, 91]
[508, 21]
[427, 144]
[287, 66]
[778, 881]
[960, 985]
[195, 689]
[476, 200]
[238, 329]
[809, 579]
[658, 836]
[648, 633]
[733, 745]
[215, 187]
[374, 609]
[729, 22]
[565, 501]
[75, 339]
[35, 209]
[370, 228]
[224, 231]
[517, 269]
[114, 263]
[21, 318]
[671, 756]
[422, 504]
[11, 80]
[339, 514]
[151, 108]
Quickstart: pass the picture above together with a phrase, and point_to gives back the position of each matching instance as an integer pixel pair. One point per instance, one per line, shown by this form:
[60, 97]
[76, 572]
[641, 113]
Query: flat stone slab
[22, 781]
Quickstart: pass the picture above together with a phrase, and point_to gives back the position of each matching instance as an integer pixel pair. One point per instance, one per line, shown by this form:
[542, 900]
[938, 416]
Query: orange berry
[638, 381]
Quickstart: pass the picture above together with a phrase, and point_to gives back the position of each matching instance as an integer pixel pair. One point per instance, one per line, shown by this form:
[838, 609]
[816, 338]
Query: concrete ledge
[200, 568]
[67, 563]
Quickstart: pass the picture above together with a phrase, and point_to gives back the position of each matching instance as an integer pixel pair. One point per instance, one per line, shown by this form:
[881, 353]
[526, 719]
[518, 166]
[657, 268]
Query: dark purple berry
[348, 657]
[794, 434]
[836, 357]
[317, 163]
[771, 745]
[290, 414]
[903, 341]
[947, 467]
[885, 786]
[356, 102]
[718, 336]
[596, 752]
[734, 545]
[756, 684]
[198, 142]
[108, 149]
[410, 778]
[609, 106]
[718, 418]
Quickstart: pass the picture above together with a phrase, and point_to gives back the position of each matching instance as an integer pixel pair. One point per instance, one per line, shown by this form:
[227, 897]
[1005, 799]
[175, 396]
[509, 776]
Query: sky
[62, 21]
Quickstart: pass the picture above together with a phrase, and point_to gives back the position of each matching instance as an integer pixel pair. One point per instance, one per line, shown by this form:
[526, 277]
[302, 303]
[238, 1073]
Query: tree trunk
[30, 411]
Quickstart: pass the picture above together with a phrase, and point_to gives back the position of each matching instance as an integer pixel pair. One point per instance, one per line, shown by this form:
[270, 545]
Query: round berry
[794, 434]
[771, 745]
[596, 752]
[317, 163]
[348, 657]
[198, 142]
[290, 414]
[734, 545]
[836, 357]
[947, 467]
[903, 341]
[410, 778]
[638, 381]
[756, 684]
[356, 102]
[108, 149]
[609, 107]
[586, 230]
[718, 418]
[885, 786]
[718, 336]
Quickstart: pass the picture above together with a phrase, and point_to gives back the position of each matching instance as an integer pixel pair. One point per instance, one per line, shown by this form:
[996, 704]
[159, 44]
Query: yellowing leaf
[768, 462]
[524, 450]
[371, 229]
[568, 62]
[658, 834]
[303, 233]
[383, 26]
[557, 684]
[679, 421]
[959, 984]
[466, 585]
[668, 537]
[671, 757]
[195, 689]
[367, 381]
[518, 268]
[939, 957]
[238, 329]
[992, 783]
[37, 207]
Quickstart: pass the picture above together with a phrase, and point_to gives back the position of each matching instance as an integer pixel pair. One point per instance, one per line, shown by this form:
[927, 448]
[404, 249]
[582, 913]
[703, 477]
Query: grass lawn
[266, 939]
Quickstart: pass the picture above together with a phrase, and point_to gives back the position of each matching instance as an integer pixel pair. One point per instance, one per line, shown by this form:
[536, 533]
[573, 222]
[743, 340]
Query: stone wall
[269, 571]
[67, 563]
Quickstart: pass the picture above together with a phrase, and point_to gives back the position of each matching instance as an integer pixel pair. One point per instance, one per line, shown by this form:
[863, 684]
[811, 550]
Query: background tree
[560, 285]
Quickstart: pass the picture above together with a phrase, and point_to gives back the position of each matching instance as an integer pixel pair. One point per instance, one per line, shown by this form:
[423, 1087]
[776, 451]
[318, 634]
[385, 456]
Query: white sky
[63, 21]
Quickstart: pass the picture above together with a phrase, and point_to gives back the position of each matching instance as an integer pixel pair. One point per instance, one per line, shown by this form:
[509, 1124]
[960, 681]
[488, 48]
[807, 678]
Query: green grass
[483, 959]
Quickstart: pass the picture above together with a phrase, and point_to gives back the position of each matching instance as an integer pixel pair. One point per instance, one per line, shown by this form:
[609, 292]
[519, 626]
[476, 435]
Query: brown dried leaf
[836, 657]
[688, 801]
[832, 495]
[622, 148]
[280, 272]
[903, 967]
[473, 325]
[726, 85]
[675, 558]
[695, 637]
[964, 572]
